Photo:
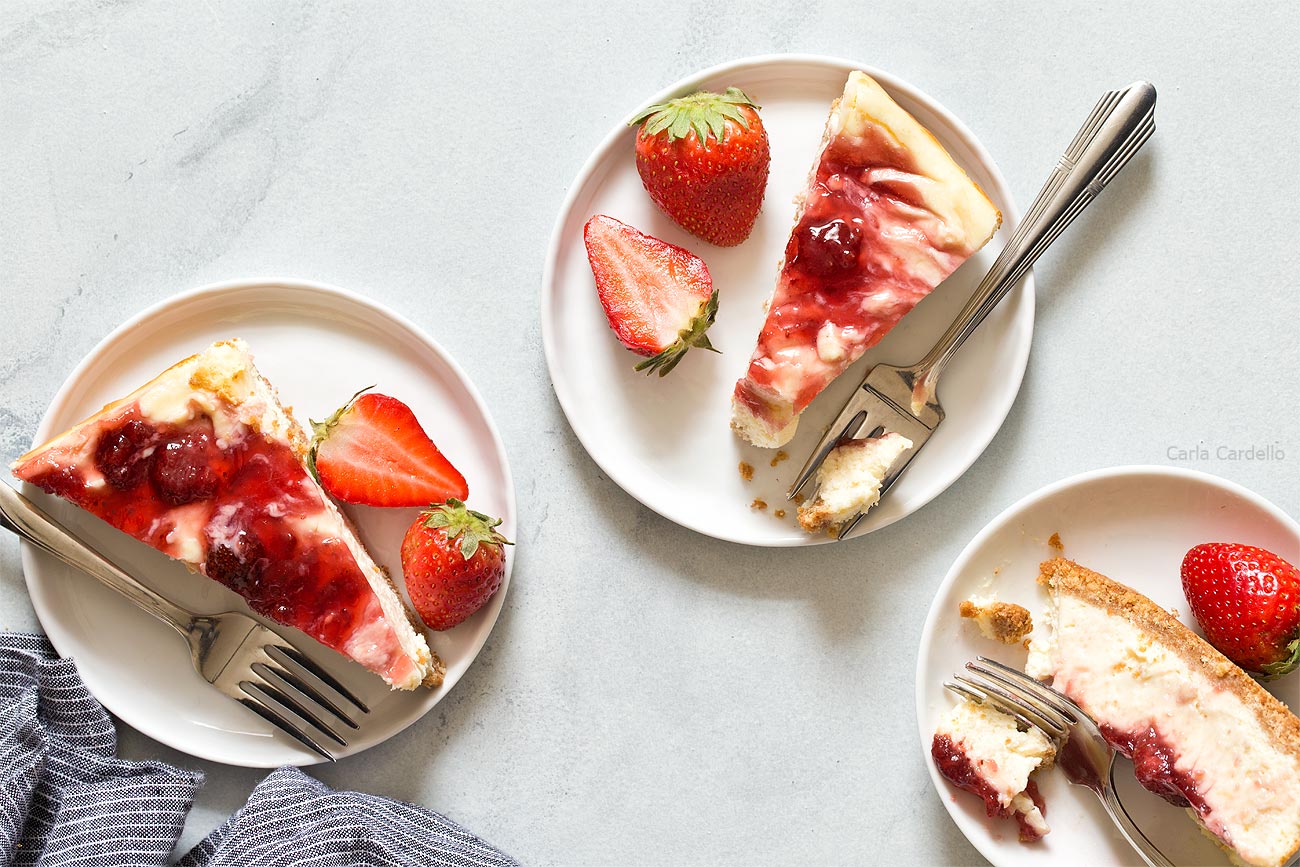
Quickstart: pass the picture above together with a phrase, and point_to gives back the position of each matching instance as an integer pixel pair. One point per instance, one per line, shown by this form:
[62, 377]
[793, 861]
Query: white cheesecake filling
[966, 218]
[1001, 753]
[1131, 681]
[830, 346]
[849, 480]
[1025, 806]
[172, 400]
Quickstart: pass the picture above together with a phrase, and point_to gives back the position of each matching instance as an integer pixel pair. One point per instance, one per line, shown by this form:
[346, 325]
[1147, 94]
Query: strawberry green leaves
[704, 113]
[470, 527]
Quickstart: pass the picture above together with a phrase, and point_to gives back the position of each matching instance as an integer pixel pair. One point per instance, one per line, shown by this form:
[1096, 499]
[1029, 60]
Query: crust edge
[1064, 576]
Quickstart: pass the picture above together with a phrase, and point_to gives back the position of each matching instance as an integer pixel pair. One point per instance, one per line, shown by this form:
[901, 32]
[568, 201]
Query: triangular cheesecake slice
[886, 217]
[1200, 732]
[204, 464]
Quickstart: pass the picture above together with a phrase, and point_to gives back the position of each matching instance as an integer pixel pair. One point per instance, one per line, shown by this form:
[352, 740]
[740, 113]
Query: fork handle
[31, 524]
[1119, 125]
[1144, 847]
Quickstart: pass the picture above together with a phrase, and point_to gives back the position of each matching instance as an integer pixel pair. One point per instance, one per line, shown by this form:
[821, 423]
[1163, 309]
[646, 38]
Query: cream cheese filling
[1130, 681]
[1001, 753]
[850, 477]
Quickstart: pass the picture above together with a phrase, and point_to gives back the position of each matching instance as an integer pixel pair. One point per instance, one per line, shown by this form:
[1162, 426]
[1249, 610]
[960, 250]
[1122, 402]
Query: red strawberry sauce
[244, 497]
[840, 264]
[1155, 766]
[959, 771]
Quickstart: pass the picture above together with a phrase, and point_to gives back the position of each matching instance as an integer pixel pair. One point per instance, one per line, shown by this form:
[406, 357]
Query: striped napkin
[66, 799]
[293, 819]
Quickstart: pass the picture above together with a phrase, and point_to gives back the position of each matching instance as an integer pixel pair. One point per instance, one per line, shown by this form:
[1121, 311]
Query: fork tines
[1019, 696]
[883, 403]
[288, 656]
[284, 687]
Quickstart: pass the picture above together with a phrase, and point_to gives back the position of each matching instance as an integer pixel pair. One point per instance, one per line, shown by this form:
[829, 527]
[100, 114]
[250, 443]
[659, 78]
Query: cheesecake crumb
[798, 499]
[1002, 621]
[758, 504]
[780, 513]
[849, 480]
[1055, 543]
[780, 456]
[746, 471]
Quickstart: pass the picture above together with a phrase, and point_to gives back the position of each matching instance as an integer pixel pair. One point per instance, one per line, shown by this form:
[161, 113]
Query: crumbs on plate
[1055, 542]
[746, 471]
[1001, 621]
[780, 456]
[758, 504]
[780, 513]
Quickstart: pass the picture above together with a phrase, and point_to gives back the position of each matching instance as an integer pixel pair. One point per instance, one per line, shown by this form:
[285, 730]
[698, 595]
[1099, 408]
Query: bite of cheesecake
[849, 479]
[984, 751]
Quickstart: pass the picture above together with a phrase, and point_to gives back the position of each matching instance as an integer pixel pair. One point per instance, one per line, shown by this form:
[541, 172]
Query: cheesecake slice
[1201, 733]
[983, 751]
[204, 464]
[887, 215]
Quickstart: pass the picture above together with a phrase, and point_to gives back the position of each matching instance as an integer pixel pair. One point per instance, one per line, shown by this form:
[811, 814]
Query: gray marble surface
[649, 695]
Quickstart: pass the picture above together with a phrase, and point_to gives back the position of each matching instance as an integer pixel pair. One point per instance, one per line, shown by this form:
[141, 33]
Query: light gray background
[650, 695]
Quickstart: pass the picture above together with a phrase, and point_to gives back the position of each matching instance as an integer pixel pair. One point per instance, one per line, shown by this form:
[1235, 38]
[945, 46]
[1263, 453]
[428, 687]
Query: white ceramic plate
[667, 441]
[318, 345]
[1132, 524]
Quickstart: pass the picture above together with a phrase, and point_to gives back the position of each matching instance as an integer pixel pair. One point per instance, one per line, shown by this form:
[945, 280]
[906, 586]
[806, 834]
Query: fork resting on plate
[242, 658]
[904, 399]
[1082, 753]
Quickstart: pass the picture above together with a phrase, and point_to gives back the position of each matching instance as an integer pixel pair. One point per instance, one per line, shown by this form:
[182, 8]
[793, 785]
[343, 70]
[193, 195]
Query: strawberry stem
[471, 527]
[320, 431]
[704, 113]
[1286, 665]
[693, 335]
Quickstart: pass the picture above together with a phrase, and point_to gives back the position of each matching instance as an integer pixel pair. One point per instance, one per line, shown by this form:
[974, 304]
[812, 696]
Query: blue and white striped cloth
[66, 799]
[293, 819]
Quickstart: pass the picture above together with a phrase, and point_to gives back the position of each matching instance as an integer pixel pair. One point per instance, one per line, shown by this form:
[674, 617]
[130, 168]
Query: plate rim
[1011, 218]
[995, 854]
[184, 297]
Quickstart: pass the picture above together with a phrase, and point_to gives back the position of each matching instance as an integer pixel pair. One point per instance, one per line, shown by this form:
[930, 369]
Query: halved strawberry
[373, 452]
[659, 298]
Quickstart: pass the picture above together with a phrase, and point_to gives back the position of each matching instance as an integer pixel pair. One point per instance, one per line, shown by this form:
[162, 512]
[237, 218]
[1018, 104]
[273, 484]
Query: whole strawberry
[703, 159]
[1247, 601]
[453, 561]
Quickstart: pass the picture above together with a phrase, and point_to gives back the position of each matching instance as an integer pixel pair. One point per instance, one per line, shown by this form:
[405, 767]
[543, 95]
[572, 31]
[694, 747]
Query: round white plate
[317, 345]
[668, 441]
[1132, 524]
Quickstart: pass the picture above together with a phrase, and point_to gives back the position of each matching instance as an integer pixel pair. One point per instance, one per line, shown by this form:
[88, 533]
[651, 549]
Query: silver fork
[903, 399]
[245, 660]
[1081, 752]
